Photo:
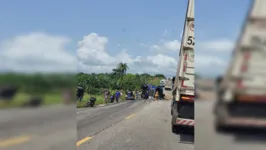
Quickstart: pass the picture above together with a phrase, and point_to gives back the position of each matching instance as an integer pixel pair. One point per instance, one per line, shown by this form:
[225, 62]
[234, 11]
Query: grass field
[21, 98]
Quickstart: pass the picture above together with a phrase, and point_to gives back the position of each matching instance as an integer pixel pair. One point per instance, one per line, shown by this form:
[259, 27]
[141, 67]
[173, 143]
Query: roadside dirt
[168, 95]
[206, 95]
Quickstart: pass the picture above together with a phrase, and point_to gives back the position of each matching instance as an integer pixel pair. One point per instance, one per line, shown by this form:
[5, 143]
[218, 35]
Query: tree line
[37, 83]
[93, 83]
[116, 80]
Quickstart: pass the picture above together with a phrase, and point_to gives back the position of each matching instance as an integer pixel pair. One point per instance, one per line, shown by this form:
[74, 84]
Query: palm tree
[119, 72]
[122, 67]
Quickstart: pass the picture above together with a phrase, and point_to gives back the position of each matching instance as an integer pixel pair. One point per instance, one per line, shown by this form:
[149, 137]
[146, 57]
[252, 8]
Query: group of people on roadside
[147, 94]
[117, 95]
[133, 94]
[108, 97]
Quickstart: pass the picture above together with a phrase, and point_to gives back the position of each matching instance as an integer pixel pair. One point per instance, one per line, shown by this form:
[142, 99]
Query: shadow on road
[186, 138]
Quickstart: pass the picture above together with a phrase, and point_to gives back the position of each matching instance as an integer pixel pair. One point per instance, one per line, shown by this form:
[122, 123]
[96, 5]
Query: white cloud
[36, 52]
[222, 45]
[166, 46]
[93, 57]
[47, 53]
[209, 61]
[212, 57]
[210, 64]
[172, 45]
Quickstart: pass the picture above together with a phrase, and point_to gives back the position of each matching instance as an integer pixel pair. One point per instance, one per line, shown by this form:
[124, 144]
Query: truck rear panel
[185, 77]
[244, 86]
[183, 106]
[184, 112]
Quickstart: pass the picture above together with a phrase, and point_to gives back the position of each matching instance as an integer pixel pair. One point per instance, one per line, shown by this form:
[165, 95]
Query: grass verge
[21, 98]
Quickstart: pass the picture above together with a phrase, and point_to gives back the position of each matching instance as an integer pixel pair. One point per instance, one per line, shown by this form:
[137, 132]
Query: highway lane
[207, 139]
[93, 120]
[130, 126]
[52, 128]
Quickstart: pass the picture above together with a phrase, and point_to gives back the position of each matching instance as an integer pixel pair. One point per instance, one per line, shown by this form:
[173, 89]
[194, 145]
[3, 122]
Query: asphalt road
[134, 125]
[51, 128]
[207, 139]
[130, 125]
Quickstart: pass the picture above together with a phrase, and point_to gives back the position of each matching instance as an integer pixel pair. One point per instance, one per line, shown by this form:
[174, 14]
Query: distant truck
[182, 108]
[168, 85]
[162, 82]
[241, 92]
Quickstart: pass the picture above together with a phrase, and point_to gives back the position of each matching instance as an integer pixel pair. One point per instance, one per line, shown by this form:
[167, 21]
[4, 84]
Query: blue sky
[129, 26]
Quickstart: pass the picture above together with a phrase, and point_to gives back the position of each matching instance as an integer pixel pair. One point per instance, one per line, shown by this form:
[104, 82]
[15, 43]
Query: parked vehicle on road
[130, 95]
[182, 108]
[241, 92]
[168, 85]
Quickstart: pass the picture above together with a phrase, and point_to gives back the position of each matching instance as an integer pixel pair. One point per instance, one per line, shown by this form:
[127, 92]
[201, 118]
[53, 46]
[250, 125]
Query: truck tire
[221, 128]
[175, 129]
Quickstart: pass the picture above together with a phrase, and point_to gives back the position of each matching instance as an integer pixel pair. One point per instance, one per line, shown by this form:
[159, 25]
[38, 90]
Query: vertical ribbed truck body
[241, 92]
[183, 92]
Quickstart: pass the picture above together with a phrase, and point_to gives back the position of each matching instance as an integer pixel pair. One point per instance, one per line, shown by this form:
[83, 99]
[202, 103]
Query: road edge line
[130, 116]
[83, 140]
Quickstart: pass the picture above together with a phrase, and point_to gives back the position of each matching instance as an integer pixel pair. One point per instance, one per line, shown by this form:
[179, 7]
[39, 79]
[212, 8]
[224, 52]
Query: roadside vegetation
[48, 87]
[95, 84]
[51, 86]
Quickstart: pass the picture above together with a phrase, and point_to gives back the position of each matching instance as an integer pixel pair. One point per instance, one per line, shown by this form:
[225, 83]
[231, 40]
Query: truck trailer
[182, 108]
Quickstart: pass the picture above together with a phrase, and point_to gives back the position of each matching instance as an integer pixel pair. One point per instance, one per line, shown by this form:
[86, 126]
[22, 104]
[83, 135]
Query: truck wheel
[220, 128]
[175, 129]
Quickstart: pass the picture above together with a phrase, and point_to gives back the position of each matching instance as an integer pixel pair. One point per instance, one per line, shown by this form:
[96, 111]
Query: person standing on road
[117, 96]
[173, 82]
[156, 96]
[134, 94]
[137, 94]
[106, 96]
[80, 93]
[146, 96]
[121, 94]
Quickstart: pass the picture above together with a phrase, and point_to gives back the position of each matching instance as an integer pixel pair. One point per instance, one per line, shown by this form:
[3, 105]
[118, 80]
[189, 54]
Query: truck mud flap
[183, 122]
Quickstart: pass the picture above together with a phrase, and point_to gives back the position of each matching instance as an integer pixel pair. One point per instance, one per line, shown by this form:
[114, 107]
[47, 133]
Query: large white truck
[168, 85]
[241, 92]
[182, 108]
